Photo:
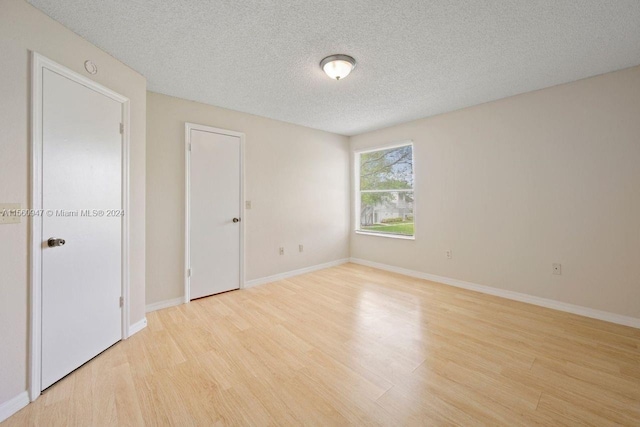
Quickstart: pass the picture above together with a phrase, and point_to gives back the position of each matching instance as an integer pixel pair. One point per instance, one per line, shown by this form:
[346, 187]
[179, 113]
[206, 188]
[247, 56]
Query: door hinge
[121, 128]
[189, 147]
[121, 301]
[188, 272]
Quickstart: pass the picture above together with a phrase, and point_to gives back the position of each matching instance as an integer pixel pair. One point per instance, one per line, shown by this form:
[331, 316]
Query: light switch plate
[5, 213]
[247, 204]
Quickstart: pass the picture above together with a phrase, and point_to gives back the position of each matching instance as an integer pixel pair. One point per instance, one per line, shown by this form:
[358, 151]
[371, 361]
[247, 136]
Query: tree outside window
[385, 195]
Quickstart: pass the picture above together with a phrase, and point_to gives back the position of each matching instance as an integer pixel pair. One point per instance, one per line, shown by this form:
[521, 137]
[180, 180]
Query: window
[384, 191]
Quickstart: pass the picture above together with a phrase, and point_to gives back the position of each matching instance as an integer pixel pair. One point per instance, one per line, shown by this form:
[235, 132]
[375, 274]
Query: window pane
[387, 169]
[388, 212]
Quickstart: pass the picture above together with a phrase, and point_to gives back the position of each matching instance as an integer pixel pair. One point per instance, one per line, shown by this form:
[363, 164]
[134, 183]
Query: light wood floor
[355, 345]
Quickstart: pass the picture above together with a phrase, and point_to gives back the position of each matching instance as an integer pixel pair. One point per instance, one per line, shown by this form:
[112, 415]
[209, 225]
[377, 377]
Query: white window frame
[356, 188]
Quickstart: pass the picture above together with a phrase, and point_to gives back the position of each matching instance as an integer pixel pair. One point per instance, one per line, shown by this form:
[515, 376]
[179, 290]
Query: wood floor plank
[352, 345]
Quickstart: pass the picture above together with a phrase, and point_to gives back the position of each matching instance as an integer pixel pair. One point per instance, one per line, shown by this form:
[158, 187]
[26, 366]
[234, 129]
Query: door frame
[38, 64]
[188, 127]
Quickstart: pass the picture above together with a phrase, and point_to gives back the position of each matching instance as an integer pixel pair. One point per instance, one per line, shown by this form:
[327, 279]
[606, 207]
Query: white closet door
[214, 213]
[81, 280]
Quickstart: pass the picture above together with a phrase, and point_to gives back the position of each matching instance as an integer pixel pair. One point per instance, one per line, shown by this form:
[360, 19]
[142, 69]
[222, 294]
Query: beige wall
[24, 29]
[515, 185]
[296, 178]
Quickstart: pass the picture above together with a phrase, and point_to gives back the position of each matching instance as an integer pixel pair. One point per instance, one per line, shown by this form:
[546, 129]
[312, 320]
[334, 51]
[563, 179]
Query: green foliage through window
[386, 190]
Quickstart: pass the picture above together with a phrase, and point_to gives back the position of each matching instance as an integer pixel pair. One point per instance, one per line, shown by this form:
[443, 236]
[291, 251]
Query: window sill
[391, 236]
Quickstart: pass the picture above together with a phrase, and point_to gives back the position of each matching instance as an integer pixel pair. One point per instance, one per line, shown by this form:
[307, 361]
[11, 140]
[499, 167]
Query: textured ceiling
[415, 58]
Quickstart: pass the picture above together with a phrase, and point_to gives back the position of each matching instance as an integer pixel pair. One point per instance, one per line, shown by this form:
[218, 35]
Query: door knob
[236, 219]
[53, 242]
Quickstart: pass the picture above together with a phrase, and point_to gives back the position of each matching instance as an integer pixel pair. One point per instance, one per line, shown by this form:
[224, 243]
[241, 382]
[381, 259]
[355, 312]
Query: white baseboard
[255, 282]
[164, 304]
[13, 405]
[287, 274]
[138, 326]
[516, 296]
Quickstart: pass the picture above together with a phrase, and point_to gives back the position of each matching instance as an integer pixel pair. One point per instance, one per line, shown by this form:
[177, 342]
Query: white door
[214, 199]
[82, 172]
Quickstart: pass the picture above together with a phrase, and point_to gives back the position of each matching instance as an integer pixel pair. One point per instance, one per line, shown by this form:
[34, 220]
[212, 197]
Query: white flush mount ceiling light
[338, 66]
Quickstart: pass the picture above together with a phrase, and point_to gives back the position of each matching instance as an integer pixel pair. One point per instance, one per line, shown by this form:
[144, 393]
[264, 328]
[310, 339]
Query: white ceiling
[415, 58]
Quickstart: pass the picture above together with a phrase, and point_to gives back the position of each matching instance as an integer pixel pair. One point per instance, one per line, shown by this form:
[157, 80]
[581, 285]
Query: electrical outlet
[300, 248]
[557, 269]
[449, 253]
[281, 251]
[247, 204]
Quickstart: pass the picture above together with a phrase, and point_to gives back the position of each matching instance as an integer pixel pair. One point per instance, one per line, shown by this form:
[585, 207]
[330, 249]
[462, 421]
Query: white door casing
[213, 241]
[80, 146]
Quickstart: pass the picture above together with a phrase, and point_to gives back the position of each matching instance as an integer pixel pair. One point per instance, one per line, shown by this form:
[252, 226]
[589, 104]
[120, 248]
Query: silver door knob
[236, 219]
[53, 242]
